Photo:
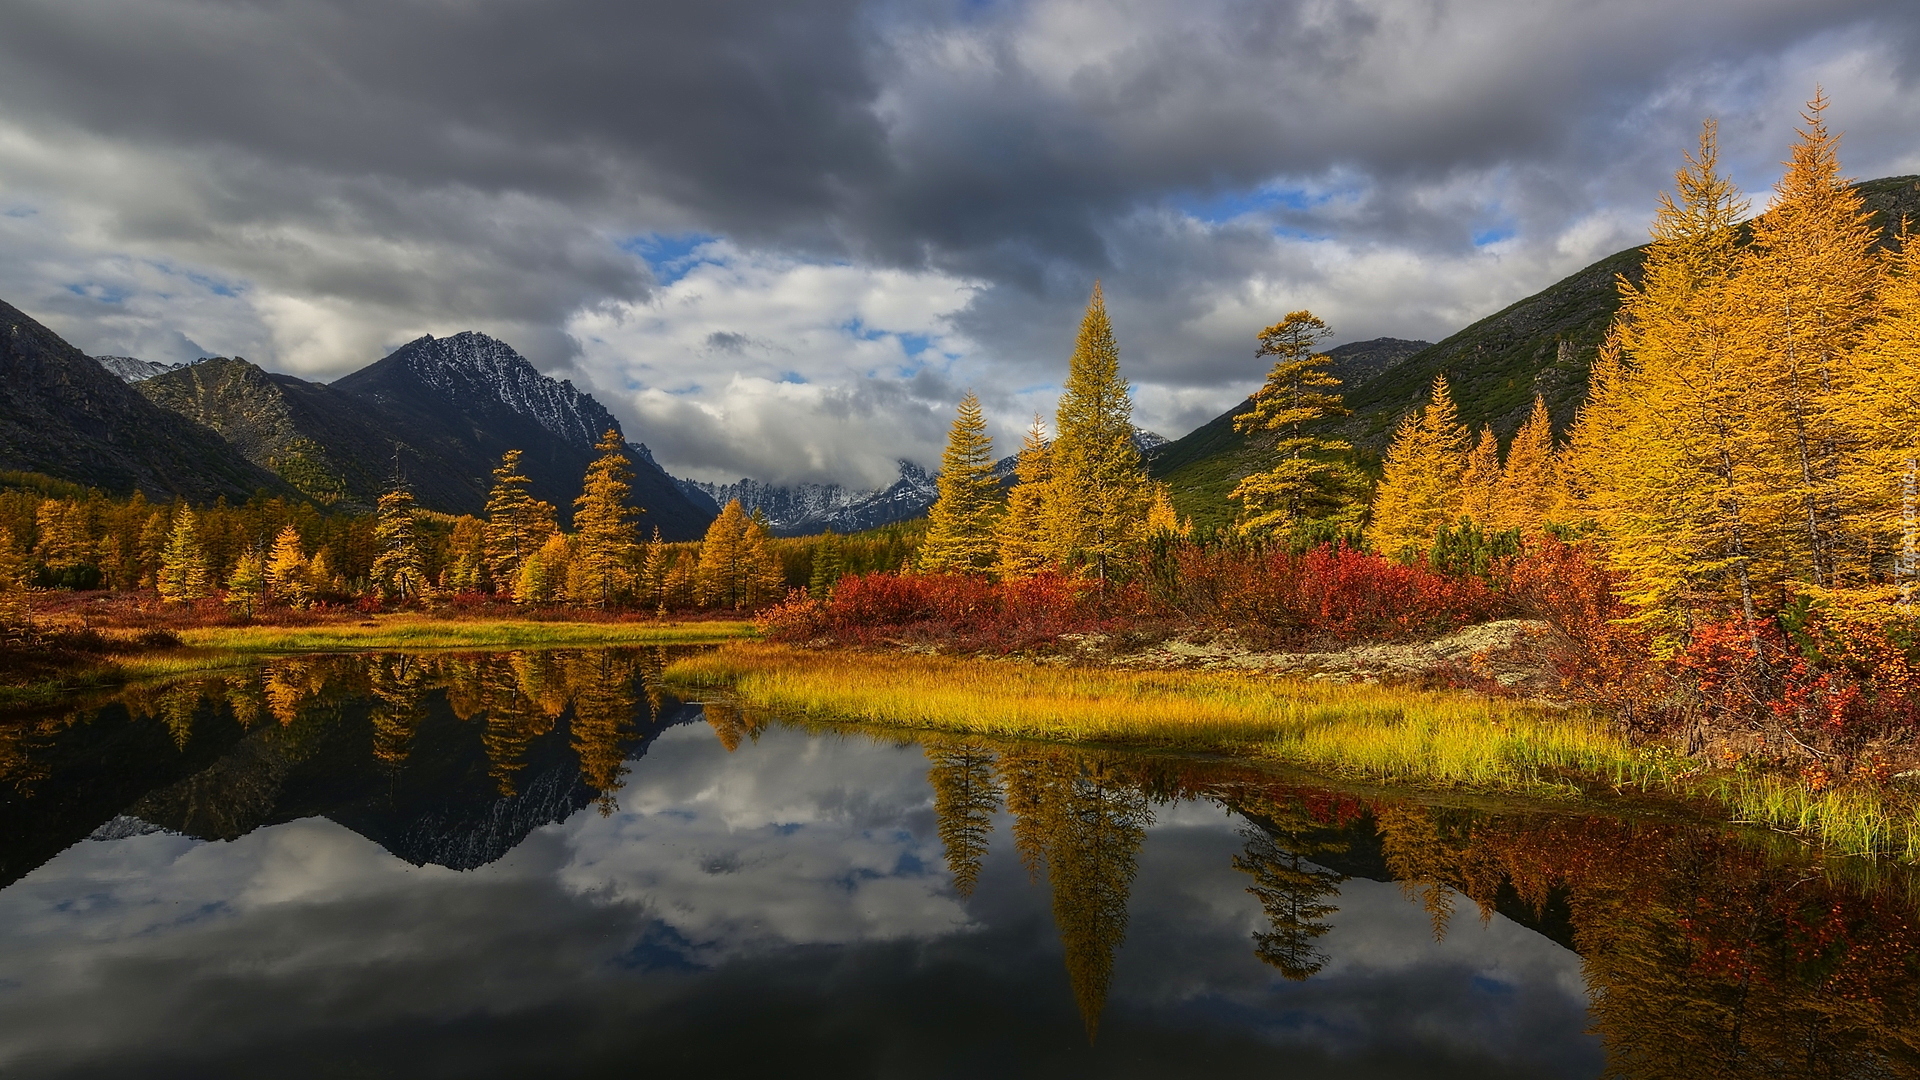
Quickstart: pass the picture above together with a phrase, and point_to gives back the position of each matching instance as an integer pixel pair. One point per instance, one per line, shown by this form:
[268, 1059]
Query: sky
[779, 238]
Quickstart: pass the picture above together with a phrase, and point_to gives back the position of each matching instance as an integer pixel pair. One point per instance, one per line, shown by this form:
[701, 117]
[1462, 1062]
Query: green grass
[1374, 733]
[412, 632]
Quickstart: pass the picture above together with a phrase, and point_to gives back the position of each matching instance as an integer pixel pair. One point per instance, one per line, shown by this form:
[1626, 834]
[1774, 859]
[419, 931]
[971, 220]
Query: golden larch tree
[1880, 424]
[399, 568]
[1529, 492]
[288, 581]
[960, 524]
[1805, 289]
[183, 576]
[1480, 479]
[517, 523]
[601, 568]
[1097, 500]
[1420, 488]
[1022, 536]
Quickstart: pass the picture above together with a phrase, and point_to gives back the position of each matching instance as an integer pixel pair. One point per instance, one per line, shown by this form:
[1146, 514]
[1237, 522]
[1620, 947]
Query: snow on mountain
[804, 509]
[133, 369]
[471, 363]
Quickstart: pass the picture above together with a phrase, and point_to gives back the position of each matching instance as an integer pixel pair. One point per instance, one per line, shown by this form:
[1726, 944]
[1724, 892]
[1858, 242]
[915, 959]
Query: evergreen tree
[1420, 489]
[1097, 501]
[600, 568]
[247, 585]
[1529, 491]
[517, 523]
[1806, 290]
[1480, 480]
[1024, 547]
[828, 565]
[1298, 394]
[960, 535]
[287, 577]
[399, 570]
[183, 576]
[720, 580]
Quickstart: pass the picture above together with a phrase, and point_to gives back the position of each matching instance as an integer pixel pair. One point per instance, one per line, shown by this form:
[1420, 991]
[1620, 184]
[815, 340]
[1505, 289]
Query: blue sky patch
[671, 257]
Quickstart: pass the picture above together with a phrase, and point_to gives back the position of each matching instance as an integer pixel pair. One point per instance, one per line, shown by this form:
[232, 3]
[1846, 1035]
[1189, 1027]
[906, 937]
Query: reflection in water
[748, 884]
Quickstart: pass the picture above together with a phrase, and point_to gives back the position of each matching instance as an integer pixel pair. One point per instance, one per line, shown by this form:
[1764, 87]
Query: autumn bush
[962, 609]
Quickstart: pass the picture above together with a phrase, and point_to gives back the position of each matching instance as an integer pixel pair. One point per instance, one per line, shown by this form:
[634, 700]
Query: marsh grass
[1375, 733]
[403, 632]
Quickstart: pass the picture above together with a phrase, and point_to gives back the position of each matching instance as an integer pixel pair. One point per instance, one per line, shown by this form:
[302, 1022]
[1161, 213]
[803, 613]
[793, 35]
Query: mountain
[445, 408]
[1543, 343]
[65, 415]
[325, 443]
[806, 509]
[133, 369]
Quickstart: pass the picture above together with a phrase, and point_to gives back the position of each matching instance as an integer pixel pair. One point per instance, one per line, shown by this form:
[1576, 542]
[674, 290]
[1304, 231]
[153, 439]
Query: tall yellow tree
[737, 568]
[1305, 481]
[1529, 491]
[1480, 479]
[1670, 452]
[184, 576]
[517, 523]
[601, 568]
[1420, 488]
[1022, 535]
[1806, 291]
[1098, 498]
[960, 525]
[399, 567]
[287, 577]
[1880, 424]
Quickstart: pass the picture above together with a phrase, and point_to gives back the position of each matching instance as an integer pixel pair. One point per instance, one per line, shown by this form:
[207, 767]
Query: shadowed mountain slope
[64, 415]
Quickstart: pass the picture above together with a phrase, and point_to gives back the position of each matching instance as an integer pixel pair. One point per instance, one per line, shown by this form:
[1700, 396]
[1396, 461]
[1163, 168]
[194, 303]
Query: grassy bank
[1377, 733]
[420, 632]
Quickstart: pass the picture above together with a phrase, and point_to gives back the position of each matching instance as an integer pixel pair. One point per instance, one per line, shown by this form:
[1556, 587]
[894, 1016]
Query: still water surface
[537, 864]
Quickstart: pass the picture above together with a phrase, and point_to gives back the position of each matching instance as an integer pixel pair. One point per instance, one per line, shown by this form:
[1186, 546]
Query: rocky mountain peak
[472, 365]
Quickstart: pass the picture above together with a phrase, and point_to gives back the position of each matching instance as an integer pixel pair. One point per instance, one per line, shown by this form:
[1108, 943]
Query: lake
[540, 864]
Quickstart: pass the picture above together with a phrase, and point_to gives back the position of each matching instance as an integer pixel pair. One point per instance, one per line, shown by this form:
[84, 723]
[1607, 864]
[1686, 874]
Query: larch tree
[287, 570]
[247, 584]
[544, 572]
[517, 523]
[720, 578]
[183, 576]
[1480, 479]
[1672, 459]
[1806, 289]
[1880, 466]
[16, 612]
[762, 579]
[399, 567]
[1163, 519]
[467, 556]
[960, 536]
[1097, 500]
[653, 571]
[1529, 491]
[1420, 488]
[1022, 537]
[601, 568]
[1305, 482]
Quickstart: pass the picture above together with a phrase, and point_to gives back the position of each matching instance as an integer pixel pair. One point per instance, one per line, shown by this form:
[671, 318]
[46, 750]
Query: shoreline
[1457, 740]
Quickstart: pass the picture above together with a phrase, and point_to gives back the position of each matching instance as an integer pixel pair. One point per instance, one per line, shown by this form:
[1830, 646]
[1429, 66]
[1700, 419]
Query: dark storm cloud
[370, 169]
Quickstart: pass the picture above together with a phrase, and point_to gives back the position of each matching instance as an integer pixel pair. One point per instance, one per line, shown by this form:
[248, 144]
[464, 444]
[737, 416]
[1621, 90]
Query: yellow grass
[1377, 732]
[419, 632]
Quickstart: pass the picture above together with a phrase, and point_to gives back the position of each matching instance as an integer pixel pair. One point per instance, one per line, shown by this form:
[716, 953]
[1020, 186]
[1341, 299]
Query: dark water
[535, 864]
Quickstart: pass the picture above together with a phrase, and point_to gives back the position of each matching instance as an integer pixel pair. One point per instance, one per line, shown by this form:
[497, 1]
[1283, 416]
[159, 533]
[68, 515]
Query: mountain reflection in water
[536, 863]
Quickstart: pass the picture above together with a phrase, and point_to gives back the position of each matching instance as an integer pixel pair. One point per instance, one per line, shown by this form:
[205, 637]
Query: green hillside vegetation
[1542, 344]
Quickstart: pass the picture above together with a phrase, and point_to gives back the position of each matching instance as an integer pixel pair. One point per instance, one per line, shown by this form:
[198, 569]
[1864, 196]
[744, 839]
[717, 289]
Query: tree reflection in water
[1707, 952]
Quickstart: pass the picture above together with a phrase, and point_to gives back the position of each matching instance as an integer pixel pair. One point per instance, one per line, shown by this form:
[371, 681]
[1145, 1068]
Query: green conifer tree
[1307, 481]
[960, 525]
[828, 564]
[247, 585]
